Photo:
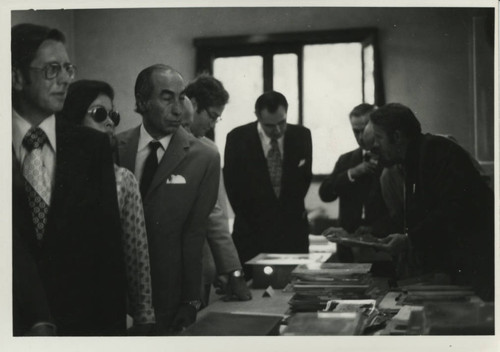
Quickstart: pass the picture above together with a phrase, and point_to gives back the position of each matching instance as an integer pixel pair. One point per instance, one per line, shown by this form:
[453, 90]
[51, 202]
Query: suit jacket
[264, 222]
[77, 270]
[176, 216]
[219, 253]
[450, 213]
[365, 191]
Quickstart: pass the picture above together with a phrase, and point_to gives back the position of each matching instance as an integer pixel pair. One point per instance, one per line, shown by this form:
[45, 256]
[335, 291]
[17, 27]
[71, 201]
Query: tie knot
[154, 145]
[34, 139]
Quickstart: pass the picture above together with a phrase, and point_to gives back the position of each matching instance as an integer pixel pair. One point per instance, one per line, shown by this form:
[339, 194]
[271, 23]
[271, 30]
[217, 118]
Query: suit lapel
[175, 153]
[127, 149]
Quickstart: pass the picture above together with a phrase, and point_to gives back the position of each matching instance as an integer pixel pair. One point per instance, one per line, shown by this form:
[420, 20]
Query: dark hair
[271, 101]
[26, 38]
[362, 109]
[80, 95]
[396, 117]
[208, 91]
[144, 86]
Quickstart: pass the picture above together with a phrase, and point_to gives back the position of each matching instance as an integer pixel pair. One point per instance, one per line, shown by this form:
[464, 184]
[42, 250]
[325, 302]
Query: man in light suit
[179, 179]
[267, 172]
[68, 270]
[208, 99]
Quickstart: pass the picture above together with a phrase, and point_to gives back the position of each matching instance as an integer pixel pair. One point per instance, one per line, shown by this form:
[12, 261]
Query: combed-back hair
[396, 117]
[208, 91]
[271, 101]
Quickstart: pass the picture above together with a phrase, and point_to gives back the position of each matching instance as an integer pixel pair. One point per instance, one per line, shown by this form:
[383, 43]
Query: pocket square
[176, 180]
[302, 162]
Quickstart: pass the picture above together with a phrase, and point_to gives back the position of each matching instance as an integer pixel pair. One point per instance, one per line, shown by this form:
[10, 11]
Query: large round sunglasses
[99, 114]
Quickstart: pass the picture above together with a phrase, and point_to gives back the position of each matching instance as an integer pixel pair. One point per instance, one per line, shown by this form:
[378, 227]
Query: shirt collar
[145, 138]
[264, 137]
[20, 127]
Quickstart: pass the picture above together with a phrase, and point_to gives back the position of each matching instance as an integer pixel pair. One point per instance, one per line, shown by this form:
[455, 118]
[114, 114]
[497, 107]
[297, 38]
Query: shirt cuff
[349, 175]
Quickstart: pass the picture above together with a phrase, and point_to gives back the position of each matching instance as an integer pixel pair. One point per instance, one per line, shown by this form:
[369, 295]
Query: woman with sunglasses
[90, 103]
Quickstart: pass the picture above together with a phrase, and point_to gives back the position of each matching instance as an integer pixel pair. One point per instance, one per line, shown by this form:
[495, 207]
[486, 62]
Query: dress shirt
[266, 141]
[143, 151]
[21, 126]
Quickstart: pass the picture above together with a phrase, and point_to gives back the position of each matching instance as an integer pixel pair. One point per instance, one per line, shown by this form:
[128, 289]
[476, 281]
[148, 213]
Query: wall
[62, 20]
[425, 52]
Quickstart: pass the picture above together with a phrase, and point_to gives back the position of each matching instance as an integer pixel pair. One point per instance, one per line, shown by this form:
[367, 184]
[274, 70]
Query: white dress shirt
[266, 141]
[20, 127]
[143, 151]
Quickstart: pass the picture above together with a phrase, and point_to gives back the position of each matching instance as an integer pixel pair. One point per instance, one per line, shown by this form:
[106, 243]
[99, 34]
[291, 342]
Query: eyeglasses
[99, 114]
[54, 69]
[213, 117]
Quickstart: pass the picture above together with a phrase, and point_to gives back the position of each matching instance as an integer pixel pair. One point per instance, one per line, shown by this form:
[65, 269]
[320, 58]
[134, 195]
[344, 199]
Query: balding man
[179, 180]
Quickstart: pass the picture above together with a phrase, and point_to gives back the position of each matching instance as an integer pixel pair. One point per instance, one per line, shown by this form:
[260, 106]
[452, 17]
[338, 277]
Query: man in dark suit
[179, 180]
[355, 182]
[68, 270]
[267, 172]
[449, 209]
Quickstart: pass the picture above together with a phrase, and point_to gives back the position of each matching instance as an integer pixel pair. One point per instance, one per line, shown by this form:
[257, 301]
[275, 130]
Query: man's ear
[141, 105]
[18, 80]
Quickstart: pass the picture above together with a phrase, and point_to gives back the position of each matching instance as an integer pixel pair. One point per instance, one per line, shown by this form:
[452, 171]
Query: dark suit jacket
[353, 195]
[365, 191]
[77, 271]
[176, 216]
[450, 212]
[263, 222]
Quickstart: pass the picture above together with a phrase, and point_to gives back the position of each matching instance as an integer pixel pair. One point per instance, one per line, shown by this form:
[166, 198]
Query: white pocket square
[176, 180]
[302, 162]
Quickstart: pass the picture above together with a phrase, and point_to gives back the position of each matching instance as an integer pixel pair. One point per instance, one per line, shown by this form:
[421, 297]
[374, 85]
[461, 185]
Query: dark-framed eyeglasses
[213, 117]
[99, 114]
[54, 69]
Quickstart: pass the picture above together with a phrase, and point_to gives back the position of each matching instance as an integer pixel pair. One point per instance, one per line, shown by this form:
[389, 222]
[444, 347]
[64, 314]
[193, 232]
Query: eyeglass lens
[100, 114]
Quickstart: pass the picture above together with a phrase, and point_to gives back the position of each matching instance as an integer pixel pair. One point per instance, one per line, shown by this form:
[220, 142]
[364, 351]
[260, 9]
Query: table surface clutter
[318, 298]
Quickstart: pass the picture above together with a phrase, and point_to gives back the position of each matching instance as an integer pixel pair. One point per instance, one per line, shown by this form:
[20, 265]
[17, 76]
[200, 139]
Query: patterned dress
[135, 246]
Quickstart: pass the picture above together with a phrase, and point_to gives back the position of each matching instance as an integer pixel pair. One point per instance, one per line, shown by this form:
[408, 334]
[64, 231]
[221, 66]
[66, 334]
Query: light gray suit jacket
[177, 204]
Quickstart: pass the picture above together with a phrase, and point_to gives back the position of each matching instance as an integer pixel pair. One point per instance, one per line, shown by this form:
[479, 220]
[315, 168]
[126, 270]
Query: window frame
[266, 45]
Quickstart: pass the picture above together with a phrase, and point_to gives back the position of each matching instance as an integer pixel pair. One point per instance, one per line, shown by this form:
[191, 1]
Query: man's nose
[177, 108]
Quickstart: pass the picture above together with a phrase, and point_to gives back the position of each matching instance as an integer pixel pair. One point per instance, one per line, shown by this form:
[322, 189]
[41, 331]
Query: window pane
[369, 79]
[285, 81]
[243, 79]
[332, 87]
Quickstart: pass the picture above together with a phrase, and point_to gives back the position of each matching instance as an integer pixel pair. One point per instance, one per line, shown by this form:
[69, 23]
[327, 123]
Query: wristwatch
[236, 273]
[196, 304]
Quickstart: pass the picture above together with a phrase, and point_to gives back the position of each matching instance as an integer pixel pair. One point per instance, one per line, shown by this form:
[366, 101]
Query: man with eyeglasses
[68, 274]
[267, 172]
[209, 98]
[179, 179]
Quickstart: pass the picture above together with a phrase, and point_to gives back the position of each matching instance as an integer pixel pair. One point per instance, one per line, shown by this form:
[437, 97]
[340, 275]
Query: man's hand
[394, 243]
[335, 234]
[186, 315]
[363, 168]
[237, 289]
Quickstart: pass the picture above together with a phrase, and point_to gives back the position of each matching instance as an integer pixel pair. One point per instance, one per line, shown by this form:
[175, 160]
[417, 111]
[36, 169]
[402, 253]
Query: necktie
[274, 166]
[150, 167]
[37, 178]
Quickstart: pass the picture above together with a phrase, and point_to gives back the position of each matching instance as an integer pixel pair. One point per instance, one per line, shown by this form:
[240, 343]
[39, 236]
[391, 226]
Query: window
[322, 74]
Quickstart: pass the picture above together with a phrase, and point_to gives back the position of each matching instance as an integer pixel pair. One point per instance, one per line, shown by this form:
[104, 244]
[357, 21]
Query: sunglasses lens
[99, 114]
[115, 117]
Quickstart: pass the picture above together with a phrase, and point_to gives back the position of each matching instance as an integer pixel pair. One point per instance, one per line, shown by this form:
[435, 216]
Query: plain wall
[426, 53]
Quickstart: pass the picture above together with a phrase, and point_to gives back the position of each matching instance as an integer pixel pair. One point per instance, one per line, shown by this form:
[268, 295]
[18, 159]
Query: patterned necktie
[38, 182]
[150, 167]
[274, 166]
